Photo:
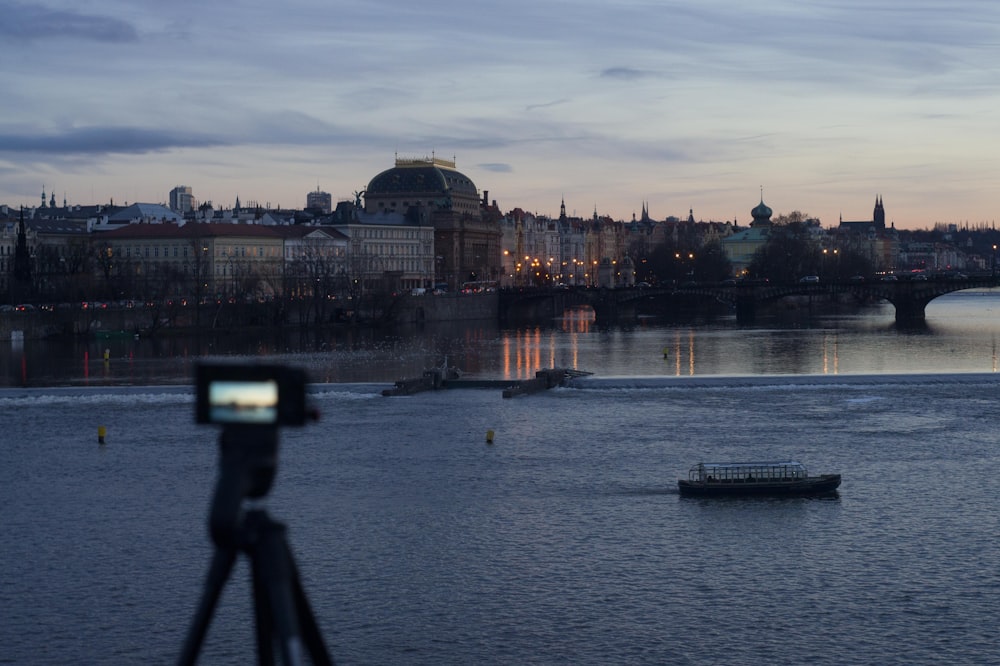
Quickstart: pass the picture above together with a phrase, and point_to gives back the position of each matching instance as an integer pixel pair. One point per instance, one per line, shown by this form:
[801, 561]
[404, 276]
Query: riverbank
[131, 319]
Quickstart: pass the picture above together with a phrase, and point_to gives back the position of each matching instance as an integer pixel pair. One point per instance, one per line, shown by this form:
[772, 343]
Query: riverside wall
[81, 323]
[447, 307]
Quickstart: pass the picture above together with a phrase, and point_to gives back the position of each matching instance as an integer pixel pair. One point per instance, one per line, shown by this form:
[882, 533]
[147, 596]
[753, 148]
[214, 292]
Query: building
[182, 200]
[538, 250]
[871, 239]
[387, 252]
[741, 246]
[137, 213]
[194, 260]
[61, 256]
[319, 201]
[432, 192]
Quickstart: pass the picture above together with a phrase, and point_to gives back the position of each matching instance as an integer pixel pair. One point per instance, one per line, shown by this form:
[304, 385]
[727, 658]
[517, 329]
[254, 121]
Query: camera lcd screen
[249, 402]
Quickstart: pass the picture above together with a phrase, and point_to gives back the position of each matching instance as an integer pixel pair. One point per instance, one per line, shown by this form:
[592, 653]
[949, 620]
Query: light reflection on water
[960, 335]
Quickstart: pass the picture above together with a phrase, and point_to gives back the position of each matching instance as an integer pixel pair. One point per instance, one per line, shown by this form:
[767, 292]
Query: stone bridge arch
[908, 297]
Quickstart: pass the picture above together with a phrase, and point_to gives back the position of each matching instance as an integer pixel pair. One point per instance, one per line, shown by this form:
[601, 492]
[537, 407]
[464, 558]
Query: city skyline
[675, 106]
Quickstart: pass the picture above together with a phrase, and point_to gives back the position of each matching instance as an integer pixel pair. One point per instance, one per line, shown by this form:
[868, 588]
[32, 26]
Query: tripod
[248, 456]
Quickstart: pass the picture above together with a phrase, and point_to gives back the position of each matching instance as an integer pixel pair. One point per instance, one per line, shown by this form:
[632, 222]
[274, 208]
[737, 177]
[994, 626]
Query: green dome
[423, 178]
[761, 213]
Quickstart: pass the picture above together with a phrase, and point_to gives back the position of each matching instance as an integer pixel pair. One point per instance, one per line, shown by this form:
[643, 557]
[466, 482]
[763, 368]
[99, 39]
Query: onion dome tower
[761, 214]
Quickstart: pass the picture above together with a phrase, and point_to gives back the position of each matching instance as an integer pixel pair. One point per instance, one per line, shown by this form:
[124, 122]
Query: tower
[879, 215]
[22, 255]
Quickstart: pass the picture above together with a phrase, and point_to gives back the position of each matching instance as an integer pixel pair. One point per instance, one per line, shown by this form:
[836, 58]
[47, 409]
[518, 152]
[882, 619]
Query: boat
[771, 479]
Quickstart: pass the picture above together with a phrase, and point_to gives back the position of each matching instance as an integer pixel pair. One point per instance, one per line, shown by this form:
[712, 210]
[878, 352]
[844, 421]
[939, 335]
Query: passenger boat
[773, 479]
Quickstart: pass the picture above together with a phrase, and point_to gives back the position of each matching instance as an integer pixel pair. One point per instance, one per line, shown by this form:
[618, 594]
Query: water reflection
[960, 335]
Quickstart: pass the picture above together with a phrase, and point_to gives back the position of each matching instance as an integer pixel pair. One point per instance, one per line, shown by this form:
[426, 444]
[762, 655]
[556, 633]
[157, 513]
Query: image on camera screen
[243, 402]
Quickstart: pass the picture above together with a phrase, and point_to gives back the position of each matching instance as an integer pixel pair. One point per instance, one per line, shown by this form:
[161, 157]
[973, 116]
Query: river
[563, 541]
[961, 335]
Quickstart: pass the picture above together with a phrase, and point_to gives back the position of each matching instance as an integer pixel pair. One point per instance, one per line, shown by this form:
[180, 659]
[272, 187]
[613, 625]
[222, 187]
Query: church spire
[22, 256]
[878, 217]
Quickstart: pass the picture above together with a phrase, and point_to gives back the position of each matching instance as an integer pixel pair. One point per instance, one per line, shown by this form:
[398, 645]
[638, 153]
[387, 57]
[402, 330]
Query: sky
[703, 105]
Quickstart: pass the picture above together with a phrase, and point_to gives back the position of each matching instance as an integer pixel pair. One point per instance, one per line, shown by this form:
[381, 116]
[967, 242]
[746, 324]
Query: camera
[265, 395]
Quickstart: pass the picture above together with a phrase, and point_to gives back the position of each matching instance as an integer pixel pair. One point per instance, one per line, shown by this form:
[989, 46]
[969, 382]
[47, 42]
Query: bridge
[909, 297]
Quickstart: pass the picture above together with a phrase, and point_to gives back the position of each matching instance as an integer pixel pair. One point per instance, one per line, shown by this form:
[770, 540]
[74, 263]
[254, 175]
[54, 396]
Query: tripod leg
[218, 573]
[263, 611]
[276, 576]
[271, 571]
[307, 620]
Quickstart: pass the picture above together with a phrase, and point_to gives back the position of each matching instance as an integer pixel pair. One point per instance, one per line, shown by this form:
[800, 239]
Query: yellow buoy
[489, 436]
[101, 433]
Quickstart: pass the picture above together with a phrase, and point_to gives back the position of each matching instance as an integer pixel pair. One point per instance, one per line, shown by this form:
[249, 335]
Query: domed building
[432, 192]
[741, 246]
[761, 214]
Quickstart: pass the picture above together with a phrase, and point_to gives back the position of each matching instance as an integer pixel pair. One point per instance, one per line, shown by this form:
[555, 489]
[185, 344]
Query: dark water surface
[962, 334]
[564, 541]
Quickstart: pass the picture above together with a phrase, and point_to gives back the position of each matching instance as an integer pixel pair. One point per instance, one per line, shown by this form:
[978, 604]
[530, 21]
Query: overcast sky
[681, 105]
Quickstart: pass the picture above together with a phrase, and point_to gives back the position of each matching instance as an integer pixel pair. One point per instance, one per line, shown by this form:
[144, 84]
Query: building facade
[182, 200]
[741, 246]
[388, 252]
[432, 192]
[319, 201]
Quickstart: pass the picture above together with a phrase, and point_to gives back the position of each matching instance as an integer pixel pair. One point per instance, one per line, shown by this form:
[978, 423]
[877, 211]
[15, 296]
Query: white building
[182, 200]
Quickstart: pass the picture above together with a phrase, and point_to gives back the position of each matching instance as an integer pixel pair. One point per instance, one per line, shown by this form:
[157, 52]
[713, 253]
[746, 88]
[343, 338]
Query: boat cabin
[747, 472]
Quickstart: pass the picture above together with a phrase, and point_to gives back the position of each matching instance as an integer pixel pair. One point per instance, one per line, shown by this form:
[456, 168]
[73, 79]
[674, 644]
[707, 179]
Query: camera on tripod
[229, 394]
[250, 402]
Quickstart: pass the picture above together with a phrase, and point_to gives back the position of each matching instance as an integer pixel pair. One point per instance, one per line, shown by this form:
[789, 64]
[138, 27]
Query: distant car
[642, 285]
[24, 307]
[857, 278]
[809, 279]
[919, 277]
[889, 278]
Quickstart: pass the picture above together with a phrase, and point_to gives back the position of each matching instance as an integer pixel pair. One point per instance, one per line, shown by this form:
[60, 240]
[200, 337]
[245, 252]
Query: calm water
[563, 542]
[962, 335]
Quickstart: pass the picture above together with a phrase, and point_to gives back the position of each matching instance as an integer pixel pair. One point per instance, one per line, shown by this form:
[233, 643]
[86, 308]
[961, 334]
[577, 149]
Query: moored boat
[774, 479]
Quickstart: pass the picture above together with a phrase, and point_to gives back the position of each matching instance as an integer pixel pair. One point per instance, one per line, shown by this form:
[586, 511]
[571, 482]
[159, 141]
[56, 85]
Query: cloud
[627, 74]
[495, 167]
[102, 140]
[286, 127]
[34, 22]
[545, 105]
